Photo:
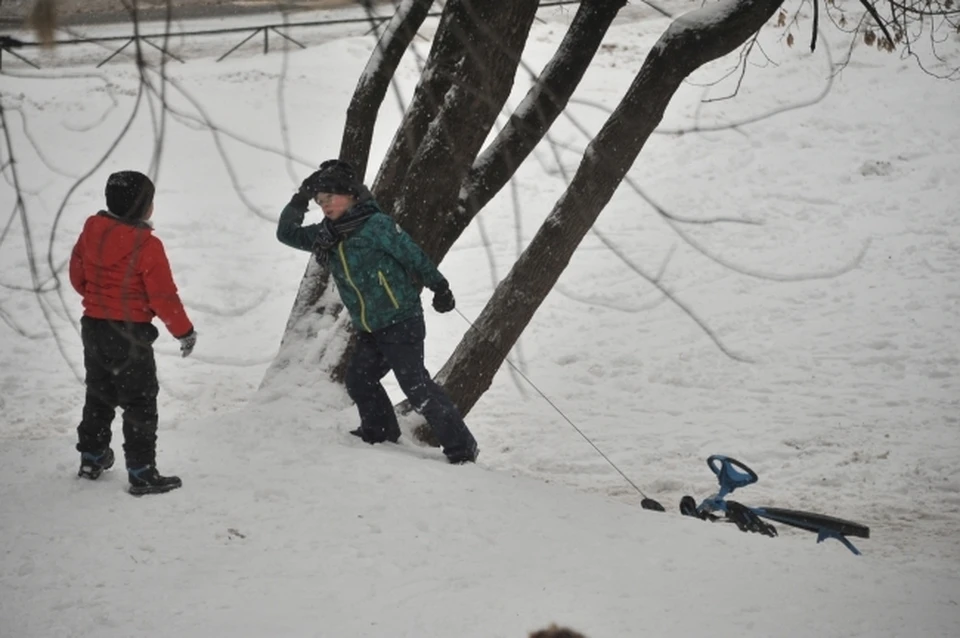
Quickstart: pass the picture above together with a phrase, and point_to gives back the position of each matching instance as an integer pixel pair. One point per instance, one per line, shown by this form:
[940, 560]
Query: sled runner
[733, 474]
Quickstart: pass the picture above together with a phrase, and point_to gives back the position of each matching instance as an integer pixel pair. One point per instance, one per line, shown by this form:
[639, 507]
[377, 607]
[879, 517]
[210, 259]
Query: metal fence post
[242, 42]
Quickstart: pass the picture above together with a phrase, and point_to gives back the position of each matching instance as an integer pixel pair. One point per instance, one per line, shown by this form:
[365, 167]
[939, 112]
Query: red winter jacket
[122, 272]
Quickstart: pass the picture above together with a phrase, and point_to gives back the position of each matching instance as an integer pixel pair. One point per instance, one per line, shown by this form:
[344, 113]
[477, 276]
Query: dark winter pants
[400, 348]
[121, 372]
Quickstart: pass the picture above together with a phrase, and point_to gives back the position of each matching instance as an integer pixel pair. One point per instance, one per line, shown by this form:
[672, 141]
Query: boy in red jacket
[122, 272]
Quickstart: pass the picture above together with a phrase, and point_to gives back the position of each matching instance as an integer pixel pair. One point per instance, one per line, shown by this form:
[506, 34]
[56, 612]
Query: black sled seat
[814, 522]
[824, 526]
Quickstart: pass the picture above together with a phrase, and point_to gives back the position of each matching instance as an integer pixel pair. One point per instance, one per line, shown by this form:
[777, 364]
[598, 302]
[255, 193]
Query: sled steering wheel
[731, 473]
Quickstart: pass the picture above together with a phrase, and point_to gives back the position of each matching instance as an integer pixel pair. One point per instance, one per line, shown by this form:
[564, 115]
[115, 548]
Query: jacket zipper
[346, 272]
[386, 285]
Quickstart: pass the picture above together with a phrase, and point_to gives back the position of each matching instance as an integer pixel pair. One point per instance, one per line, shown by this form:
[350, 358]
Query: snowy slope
[352, 541]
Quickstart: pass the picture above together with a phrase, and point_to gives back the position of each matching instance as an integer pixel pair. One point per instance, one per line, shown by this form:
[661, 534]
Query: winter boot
[146, 480]
[375, 437]
[92, 464]
[465, 455]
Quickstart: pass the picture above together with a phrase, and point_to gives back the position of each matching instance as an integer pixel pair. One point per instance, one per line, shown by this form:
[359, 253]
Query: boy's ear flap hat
[337, 177]
[129, 194]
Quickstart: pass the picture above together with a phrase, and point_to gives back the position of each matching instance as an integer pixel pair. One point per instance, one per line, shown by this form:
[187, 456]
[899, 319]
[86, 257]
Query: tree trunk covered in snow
[314, 306]
[466, 81]
[375, 81]
[690, 41]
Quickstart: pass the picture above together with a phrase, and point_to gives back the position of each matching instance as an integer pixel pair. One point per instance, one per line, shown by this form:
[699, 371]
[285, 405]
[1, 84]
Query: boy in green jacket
[377, 267]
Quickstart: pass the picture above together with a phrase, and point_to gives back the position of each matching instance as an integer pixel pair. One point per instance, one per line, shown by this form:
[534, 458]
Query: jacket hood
[109, 239]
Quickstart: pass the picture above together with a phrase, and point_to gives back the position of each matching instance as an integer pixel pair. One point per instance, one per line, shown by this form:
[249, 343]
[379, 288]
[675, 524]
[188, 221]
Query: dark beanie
[337, 176]
[129, 194]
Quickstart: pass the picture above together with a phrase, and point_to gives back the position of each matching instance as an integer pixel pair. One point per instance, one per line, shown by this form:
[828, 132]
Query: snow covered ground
[842, 393]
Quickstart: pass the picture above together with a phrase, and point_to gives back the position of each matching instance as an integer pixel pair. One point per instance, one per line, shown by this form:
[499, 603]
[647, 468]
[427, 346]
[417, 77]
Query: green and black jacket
[378, 268]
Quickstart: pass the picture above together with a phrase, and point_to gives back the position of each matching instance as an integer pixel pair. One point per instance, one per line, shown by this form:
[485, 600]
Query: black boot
[146, 480]
[375, 437]
[92, 464]
[464, 455]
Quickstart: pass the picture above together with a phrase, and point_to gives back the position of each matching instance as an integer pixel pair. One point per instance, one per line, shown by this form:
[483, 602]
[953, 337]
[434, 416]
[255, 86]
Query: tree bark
[692, 40]
[375, 81]
[493, 35]
[445, 55]
[536, 113]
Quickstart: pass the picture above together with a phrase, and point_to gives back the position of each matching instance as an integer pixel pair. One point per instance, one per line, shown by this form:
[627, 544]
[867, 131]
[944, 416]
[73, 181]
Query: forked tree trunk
[313, 305]
[692, 40]
[445, 55]
[493, 35]
[490, 36]
[469, 74]
[529, 123]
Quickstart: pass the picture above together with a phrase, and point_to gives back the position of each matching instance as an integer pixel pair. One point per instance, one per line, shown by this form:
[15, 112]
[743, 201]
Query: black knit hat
[337, 176]
[129, 194]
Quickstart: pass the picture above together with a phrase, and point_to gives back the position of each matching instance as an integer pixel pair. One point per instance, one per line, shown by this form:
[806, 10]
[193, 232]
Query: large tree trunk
[375, 81]
[490, 36]
[445, 55]
[539, 109]
[692, 40]
[467, 79]
[314, 305]
[493, 35]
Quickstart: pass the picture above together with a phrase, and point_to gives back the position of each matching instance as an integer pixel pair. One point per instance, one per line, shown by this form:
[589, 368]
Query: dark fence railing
[14, 46]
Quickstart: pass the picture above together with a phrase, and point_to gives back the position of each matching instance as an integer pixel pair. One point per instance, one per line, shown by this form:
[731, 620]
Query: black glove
[307, 191]
[327, 235]
[443, 300]
[187, 342]
[311, 186]
[300, 202]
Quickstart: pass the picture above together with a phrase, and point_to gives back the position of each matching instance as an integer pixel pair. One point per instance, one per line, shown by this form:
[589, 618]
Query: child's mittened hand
[310, 186]
[187, 342]
[443, 300]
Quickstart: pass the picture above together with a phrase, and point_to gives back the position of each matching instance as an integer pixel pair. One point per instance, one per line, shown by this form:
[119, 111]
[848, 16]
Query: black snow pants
[400, 348]
[120, 372]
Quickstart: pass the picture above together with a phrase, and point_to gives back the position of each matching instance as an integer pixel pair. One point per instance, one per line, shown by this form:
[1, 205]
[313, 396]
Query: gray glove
[187, 342]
